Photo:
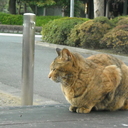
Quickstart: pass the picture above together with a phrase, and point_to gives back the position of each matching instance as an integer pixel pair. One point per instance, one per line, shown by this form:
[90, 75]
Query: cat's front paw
[82, 110]
[72, 109]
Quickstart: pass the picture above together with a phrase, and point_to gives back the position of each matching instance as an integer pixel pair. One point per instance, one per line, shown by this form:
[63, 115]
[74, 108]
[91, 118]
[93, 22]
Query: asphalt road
[11, 68]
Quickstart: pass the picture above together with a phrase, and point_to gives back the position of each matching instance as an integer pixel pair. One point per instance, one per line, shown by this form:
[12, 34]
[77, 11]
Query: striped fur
[99, 81]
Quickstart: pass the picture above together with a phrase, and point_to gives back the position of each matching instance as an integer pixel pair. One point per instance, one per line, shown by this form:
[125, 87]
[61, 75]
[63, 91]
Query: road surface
[11, 67]
[45, 90]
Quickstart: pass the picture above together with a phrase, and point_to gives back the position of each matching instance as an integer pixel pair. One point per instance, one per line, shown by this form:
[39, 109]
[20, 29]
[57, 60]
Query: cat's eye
[61, 70]
[53, 69]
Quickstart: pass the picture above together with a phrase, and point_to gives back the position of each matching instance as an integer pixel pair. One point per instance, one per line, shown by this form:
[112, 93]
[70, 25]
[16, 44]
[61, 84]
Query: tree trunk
[63, 11]
[25, 8]
[34, 8]
[98, 8]
[12, 6]
[125, 7]
[19, 7]
[44, 11]
[107, 9]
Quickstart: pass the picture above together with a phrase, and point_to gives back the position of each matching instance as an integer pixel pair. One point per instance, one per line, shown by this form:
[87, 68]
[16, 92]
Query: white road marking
[9, 34]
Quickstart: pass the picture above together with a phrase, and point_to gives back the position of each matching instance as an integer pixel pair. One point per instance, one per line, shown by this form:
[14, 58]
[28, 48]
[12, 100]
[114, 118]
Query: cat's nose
[49, 75]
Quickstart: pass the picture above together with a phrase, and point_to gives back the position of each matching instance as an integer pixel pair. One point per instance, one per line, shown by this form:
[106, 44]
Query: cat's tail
[111, 77]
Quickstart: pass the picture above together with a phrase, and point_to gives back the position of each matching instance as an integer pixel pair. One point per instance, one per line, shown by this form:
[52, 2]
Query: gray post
[28, 58]
[107, 9]
[71, 8]
[125, 7]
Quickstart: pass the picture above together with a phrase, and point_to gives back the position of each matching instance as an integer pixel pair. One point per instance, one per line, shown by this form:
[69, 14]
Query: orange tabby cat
[100, 81]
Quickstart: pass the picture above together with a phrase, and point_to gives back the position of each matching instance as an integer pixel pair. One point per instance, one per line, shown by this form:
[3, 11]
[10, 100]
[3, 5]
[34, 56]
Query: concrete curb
[80, 50]
[12, 97]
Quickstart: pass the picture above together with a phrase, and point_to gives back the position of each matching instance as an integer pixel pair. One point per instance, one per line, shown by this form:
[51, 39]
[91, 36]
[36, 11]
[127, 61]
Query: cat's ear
[66, 54]
[58, 51]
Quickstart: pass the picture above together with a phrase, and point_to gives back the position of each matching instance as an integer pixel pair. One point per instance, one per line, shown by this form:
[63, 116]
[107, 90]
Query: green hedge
[10, 19]
[117, 19]
[117, 39]
[42, 20]
[123, 21]
[57, 31]
[88, 34]
[96, 33]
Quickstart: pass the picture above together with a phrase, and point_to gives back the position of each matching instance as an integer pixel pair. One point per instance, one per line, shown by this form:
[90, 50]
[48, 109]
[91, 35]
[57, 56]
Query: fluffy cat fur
[98, 82]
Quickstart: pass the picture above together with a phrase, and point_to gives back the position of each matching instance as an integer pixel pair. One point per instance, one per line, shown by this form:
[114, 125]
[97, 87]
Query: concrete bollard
[28, 47]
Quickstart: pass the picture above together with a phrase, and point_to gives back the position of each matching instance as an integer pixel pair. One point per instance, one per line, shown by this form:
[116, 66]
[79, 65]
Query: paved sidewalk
[58, 116]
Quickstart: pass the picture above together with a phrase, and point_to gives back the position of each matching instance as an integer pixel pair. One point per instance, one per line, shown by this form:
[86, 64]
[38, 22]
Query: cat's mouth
[57, 80]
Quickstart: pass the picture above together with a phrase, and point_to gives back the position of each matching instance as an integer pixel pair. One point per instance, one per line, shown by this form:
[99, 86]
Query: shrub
[117, 19]
[57, 31]
[73, 37]
[42, 20]
[88, 34]
[104, 20]
[123, 21]
[117, 39]
[11, 19]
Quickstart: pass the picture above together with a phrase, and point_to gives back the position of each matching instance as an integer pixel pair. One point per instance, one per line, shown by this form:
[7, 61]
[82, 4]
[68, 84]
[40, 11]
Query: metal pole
[107, 9]
[71, 8]
[28, 58]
